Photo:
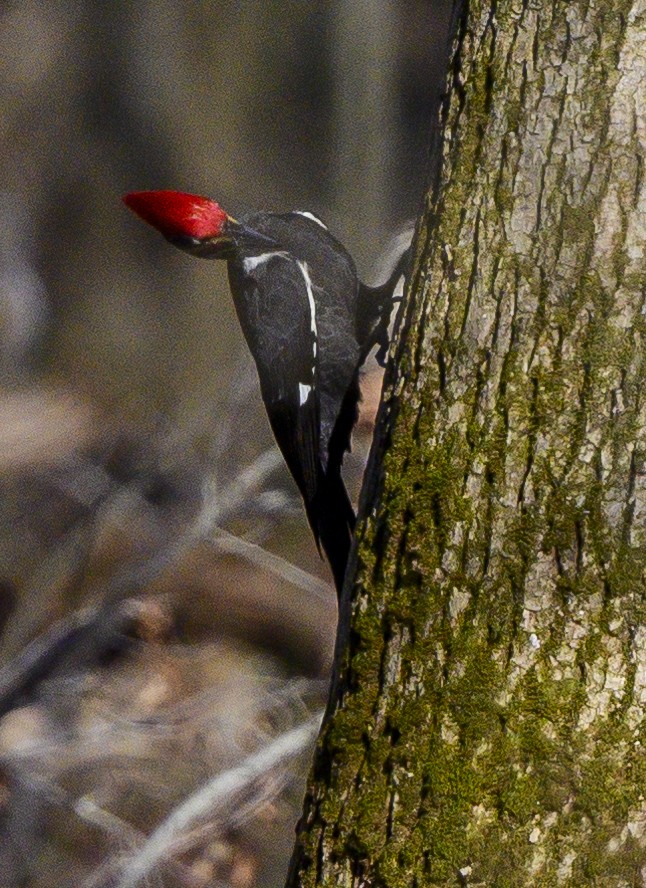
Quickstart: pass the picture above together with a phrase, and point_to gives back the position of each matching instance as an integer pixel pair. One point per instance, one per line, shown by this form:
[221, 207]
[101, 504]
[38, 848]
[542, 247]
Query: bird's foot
[382, 337]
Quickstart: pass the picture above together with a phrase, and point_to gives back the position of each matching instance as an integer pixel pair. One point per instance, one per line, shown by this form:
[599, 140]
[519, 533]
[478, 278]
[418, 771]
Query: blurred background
[164, 615]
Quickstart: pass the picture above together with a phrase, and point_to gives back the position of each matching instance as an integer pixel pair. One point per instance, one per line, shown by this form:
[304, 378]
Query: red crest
[177, 214]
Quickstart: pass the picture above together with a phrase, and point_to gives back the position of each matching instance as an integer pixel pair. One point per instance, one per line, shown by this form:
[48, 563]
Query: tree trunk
[487, 722]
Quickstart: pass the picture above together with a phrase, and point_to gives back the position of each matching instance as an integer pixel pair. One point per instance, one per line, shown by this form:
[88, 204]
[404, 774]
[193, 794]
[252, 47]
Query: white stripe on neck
[311, 216]
[310, 297]
[252, 262]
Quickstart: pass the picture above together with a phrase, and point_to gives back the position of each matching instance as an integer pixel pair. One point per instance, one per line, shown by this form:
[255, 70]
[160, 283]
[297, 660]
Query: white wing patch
[311, 216]
[303, 393]
[254, 261]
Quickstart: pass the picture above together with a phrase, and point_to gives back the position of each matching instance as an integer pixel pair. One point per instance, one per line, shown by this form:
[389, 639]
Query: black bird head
[197, 225]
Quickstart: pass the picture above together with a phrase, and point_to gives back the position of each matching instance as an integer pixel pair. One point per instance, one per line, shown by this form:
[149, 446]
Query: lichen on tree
[487, 721]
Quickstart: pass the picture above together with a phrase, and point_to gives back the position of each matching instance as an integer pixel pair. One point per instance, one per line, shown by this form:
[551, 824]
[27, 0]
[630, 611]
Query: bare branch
[233, 545]
[217, 794]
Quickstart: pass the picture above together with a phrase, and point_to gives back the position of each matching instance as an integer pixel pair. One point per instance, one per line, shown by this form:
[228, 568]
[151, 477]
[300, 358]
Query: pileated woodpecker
[309, 323]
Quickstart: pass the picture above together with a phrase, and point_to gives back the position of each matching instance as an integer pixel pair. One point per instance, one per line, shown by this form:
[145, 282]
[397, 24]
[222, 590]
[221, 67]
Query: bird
[309, 323]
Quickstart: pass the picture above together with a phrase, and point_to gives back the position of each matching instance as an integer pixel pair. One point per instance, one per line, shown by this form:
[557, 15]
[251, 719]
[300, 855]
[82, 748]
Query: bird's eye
[184, 241]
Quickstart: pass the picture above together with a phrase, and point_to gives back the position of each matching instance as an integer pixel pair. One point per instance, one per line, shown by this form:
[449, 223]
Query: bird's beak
[248, 239]
[235, 237]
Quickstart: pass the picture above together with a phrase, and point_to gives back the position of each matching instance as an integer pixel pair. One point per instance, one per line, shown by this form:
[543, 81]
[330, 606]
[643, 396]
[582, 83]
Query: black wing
[280, 326]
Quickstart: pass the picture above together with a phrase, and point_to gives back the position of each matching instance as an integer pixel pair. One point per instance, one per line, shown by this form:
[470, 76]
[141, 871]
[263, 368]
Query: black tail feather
[332, 514]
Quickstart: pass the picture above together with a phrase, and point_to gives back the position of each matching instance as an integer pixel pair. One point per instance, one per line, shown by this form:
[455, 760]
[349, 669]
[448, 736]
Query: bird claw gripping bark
[382, 334]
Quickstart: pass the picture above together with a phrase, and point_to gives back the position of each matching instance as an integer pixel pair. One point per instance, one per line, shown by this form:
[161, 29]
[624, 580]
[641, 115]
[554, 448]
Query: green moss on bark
[490, 701]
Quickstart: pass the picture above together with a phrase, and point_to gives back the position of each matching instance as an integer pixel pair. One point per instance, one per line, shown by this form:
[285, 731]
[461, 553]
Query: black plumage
[309, 324]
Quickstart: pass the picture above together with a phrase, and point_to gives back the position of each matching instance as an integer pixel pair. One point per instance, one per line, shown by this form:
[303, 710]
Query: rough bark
[487, 725]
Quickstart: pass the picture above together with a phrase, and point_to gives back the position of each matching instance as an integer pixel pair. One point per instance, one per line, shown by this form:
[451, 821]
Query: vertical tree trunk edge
[487, 723]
